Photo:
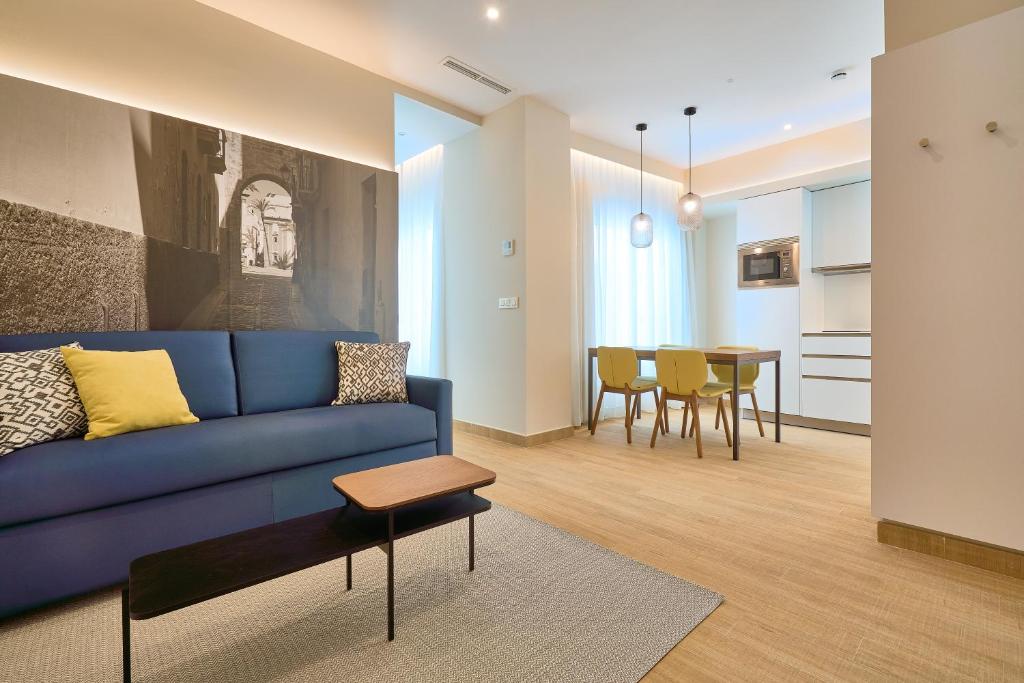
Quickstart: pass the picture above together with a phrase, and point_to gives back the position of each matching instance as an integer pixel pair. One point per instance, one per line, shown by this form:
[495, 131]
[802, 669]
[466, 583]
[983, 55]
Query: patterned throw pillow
[38, 399]
[371, 373]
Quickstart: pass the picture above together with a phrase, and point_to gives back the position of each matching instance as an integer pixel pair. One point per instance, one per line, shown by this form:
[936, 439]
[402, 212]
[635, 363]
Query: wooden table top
[723, 356]
[393, 486]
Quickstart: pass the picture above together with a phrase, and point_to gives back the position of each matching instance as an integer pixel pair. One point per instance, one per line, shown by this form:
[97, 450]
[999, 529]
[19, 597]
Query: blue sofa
[74, 513]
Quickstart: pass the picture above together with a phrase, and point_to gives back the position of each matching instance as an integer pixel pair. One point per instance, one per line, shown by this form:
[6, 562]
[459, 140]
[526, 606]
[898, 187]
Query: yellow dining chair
[683, 376]
[748, 378]
[617, 368]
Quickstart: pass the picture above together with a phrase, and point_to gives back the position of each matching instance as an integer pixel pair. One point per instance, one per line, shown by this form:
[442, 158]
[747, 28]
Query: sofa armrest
[434, 394]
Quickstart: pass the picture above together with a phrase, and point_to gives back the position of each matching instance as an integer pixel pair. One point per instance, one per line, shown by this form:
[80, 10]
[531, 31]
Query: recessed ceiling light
[788, 126]
[493, 13]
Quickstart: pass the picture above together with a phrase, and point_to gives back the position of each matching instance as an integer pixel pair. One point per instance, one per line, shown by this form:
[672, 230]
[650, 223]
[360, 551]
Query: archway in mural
[267, 239]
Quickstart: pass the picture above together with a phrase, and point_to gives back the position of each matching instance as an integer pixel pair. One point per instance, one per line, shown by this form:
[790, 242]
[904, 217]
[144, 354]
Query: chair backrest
[616, 365]
[681, 371]
[748, 373]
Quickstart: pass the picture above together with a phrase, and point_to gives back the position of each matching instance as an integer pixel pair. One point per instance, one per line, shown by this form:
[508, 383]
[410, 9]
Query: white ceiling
[609, 64]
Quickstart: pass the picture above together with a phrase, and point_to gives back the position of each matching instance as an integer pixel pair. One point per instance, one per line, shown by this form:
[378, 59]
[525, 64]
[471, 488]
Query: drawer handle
[838, 379]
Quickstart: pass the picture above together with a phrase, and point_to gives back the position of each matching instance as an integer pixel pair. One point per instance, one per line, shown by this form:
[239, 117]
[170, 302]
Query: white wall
[720, 281]
[548, 250]
[483, 204]
[185, 59]
[510, 179]
[947, 235]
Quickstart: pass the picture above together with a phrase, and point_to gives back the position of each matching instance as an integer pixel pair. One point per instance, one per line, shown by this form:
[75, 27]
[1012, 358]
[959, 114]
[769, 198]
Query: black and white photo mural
[116, 218]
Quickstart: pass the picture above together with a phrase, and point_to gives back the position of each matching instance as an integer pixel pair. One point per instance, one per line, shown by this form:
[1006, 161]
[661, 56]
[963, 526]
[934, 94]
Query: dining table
[734, 357]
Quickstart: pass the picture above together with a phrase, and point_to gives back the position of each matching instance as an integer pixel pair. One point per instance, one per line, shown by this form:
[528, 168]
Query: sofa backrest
[285, 370]
[202, 360]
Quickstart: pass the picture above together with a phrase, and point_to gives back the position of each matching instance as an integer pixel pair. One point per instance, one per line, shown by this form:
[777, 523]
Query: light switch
[508, 247]
[508, 302]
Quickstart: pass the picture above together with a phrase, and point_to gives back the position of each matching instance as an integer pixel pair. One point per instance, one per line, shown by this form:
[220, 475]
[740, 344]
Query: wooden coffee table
[395, 488]
[390, 502]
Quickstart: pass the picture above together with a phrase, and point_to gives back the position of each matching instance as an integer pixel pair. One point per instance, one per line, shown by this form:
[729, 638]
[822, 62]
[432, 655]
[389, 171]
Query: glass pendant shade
[690, 211]
[641, 231]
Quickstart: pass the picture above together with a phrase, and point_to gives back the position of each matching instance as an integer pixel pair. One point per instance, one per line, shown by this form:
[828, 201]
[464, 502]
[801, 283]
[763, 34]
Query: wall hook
[924, 142]
[991, 126]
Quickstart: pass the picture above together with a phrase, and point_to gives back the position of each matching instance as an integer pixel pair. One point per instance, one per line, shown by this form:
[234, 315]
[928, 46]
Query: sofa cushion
[284, 370]
[38, 399]
[202, 360]
[68, 476]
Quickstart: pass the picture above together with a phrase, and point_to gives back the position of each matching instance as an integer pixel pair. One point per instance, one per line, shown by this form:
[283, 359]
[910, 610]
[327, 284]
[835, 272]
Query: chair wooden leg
[718, 413]
[757, 413]
[664, 414]
[696, 424]
[629, 417]
[659, 410]
[693, 425]
[686, 415]
[597, 410]
[725, 422]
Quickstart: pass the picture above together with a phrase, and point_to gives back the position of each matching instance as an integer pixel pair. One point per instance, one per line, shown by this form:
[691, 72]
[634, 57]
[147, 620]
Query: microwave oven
[772, 263]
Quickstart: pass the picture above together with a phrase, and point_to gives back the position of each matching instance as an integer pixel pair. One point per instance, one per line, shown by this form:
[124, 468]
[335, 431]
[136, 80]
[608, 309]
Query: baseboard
[811, 422]
[525, 440]
[994, 558]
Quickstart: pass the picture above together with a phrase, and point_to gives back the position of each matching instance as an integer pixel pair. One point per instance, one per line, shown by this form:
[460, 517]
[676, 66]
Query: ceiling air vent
[470, 72]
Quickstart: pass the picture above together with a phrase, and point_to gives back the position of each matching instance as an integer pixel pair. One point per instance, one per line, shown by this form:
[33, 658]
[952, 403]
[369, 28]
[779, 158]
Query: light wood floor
[787, 536]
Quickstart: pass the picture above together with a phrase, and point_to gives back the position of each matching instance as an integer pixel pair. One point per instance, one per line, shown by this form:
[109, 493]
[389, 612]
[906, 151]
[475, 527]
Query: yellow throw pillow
[127, 391]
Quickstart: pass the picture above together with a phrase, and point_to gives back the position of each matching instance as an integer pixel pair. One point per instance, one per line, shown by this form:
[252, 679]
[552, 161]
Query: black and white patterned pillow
[371, 373]
[38, 399]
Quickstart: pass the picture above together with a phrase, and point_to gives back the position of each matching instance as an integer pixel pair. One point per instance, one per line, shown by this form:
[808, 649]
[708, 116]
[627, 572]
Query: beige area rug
[542, 605]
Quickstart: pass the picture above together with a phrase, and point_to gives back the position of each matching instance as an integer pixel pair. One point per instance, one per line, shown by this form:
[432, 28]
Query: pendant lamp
[641, 228]
[690, 209]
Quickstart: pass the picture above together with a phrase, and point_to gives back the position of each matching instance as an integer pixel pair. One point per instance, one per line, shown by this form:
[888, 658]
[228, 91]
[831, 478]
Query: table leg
[778, 401]
[471, 542]
[736, 412]
[348, 572]
[391, 575]
[126, 640]
[590, 392]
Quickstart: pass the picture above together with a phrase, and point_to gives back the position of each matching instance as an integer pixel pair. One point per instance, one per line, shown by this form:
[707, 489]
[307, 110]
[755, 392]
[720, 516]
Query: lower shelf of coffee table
[179, 577]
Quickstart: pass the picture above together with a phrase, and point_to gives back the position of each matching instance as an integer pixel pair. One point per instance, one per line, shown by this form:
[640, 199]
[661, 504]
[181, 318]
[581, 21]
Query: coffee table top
[393, 486]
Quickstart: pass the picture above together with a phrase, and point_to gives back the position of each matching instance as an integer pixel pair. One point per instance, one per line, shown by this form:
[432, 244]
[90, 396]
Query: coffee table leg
[391, 575]
[471, 543]
[126, 641]
[348, 572]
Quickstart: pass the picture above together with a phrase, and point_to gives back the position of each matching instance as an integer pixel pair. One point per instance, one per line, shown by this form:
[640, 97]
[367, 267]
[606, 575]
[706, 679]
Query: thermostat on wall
[508, 247]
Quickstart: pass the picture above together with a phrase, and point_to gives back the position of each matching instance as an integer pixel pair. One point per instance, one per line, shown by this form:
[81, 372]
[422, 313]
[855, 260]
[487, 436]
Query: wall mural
[118, 218]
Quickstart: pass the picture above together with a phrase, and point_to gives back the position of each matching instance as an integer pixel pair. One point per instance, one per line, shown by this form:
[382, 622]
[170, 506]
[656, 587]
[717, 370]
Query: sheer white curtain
[420, 261]
[628, 296]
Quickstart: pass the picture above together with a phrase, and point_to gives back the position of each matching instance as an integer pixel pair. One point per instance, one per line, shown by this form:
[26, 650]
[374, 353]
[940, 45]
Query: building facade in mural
[152, 222]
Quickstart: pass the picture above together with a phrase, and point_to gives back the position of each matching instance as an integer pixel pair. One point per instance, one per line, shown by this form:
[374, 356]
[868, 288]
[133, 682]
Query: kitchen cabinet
[842, 225]
[835, 376]
[769, 318]
[836, 399]
[773, 216]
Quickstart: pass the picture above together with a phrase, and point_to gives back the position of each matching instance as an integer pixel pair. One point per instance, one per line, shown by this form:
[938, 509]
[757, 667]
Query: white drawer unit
[835, 376]
[836, 399]
[833, 366]
[836, 344]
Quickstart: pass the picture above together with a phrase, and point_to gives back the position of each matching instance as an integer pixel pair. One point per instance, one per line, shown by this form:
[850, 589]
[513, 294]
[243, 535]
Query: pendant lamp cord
[641, 171]
[689, 145]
